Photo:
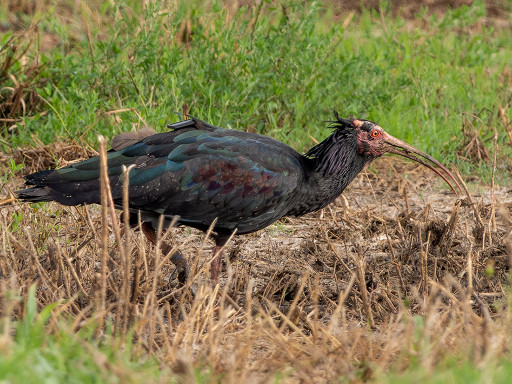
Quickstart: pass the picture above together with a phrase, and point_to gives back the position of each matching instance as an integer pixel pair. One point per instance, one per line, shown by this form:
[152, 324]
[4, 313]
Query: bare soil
[409, 9]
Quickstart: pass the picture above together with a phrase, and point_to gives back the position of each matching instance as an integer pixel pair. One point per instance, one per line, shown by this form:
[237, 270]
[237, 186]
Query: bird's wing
[196, 171]
[79, 183]
[244, 180]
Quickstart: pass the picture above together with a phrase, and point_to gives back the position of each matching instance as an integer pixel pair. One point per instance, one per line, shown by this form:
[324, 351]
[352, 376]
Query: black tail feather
[35, 194]
[38, 178]
[49, 186]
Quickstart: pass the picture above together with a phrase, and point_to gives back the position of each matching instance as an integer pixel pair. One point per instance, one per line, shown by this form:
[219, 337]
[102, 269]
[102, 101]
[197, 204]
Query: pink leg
[216, 265]
[182, 268]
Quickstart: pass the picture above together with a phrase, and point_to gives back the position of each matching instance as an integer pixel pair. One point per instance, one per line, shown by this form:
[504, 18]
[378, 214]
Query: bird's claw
[182, 272]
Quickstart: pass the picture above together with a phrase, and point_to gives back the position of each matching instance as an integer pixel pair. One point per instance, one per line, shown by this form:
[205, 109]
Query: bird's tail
[53, 185]
[79, 183]
[37, 193]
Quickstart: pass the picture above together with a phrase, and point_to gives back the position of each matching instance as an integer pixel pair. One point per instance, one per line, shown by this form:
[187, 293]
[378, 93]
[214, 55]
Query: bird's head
[373, 141]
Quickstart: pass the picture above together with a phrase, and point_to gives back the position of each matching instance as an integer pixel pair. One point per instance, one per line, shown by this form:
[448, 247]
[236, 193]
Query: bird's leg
[216, 264]
[182, 268]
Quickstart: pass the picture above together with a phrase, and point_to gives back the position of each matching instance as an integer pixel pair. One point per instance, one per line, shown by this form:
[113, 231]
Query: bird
[236, 181]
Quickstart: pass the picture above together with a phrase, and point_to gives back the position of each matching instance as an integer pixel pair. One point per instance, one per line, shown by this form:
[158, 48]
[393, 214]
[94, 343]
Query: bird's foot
[182, 272]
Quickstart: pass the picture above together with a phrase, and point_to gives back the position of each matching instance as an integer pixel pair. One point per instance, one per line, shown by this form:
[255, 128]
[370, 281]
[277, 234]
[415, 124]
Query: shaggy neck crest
[338, 151]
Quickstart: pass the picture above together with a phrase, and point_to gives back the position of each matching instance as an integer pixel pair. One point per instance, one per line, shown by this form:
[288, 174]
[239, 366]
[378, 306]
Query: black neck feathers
[331, 167]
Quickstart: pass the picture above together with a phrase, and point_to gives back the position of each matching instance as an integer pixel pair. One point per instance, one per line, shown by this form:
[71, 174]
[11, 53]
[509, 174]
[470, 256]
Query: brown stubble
[297, 298]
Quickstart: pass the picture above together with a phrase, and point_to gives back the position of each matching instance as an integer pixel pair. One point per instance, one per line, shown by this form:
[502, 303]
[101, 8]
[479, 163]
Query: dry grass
[20, 67]
[380, 280]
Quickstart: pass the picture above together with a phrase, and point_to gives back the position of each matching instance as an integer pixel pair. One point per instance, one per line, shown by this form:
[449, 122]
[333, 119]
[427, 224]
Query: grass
[44, 349]
[442, 83]
[118, 65]
[452, 372]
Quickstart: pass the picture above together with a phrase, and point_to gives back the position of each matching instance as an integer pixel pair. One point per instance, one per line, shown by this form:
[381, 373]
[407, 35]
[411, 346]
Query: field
[397, 281]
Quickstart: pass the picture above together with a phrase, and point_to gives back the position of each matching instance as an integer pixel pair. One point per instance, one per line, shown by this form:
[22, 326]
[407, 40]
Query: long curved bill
[401, 148]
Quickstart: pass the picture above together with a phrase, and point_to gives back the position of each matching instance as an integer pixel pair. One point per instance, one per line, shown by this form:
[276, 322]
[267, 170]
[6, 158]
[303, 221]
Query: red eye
[375, 133]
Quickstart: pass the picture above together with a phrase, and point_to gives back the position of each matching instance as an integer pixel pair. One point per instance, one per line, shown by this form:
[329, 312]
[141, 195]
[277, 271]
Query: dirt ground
[408, 9]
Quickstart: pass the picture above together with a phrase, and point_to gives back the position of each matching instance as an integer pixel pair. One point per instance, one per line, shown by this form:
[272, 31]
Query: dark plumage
[201, 173]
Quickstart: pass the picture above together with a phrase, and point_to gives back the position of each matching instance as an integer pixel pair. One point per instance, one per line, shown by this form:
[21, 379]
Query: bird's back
[196, 171]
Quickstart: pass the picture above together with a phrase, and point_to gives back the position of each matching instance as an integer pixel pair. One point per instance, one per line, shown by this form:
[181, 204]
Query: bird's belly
[248, 225]
[201, 216]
